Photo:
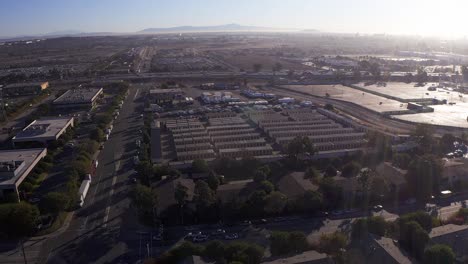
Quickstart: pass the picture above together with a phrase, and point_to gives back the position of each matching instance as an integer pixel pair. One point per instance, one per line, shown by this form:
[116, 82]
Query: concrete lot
[407, 91]
[340, 92]
[444, 115]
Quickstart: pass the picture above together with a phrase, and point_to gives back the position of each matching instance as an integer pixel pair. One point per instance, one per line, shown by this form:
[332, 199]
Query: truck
[84, 190]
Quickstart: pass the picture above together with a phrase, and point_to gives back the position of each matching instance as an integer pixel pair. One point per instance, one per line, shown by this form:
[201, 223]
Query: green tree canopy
[200, 166]
[439, 254]
[275, 202]
[203, 195]
[54, 203]
[18, 219]
[351, 169]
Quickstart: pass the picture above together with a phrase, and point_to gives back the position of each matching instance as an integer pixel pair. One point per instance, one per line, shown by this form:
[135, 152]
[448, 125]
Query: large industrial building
[83, 98]
[42, 131]
[15, 166]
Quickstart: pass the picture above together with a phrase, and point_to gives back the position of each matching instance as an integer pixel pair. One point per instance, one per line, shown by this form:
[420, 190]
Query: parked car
[378, 208]
[218, 232]
[231, 236]
[200, 238]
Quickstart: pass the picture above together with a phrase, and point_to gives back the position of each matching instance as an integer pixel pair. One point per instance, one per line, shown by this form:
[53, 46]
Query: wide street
[95, 233]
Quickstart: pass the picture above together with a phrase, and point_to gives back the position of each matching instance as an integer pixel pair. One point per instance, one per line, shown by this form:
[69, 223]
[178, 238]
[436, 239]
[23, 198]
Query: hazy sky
[423, 17]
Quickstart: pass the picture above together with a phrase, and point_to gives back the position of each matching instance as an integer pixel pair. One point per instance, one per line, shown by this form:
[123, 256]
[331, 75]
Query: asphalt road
[95, 234]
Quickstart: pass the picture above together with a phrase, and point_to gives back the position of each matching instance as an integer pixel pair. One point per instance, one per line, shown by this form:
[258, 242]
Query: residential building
[294, 185]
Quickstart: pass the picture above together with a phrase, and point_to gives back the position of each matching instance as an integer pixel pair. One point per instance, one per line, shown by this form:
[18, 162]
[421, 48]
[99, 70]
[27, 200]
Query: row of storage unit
[221, 133]
[189, 134]
[316, 132]
[327, 146]
[193, 147]
[297, 127]
[249, 151]
[198, 154]
[241, 144]
[228, 127]
[325, 138]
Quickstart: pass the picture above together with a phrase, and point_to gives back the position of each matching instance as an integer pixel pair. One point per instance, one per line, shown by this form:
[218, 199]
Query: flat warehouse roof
[79, 96]
[267, 147]
[25, 160]
[44, 129]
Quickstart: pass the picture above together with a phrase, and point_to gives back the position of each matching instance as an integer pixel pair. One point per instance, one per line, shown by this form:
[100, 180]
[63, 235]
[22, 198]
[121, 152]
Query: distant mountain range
[218, 28]
[181, 29]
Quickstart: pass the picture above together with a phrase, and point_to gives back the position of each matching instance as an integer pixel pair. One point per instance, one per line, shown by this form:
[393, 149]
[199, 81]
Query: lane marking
[106, 216]
[136, 94]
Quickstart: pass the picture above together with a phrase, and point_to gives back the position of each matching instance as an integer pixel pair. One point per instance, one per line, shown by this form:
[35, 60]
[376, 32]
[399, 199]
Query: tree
[300, 145]
[203, 195]
[310, 202]
[424, 176]
[332, 243]
[244, 253]
[257, 67]
[421, 76]
[180, 194]
[312, 173]
[377, 225]
[332, 193]
[267, 186]
[439, 254]
[97, 135]
[144, 199]
[401, 161]
[215, 250]
[145, 171]
[54, 203]
[330, 171]
[414, 238]
[279, 243]
[422, 218]
[265, 169]
[351, 169]
[275, 202]
[213, 181]
[277, 67]
[18, 219]
[329, 107]
[200, 166]
[259, 176]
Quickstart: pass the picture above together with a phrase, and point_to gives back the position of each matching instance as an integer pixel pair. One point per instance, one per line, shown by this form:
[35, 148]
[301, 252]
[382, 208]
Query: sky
[414, 17]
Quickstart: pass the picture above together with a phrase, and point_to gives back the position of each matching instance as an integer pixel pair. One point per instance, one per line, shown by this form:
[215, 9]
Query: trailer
[84, 191]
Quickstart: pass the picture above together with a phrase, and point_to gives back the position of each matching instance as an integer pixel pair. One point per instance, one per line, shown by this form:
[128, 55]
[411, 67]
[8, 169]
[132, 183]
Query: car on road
[132, 180]
[34, 200]
[200, 238]
[218, 232]
[157, 237]
[260, 221]
[136, 160]
[231, 236]
[378, 208]
[191, 235]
